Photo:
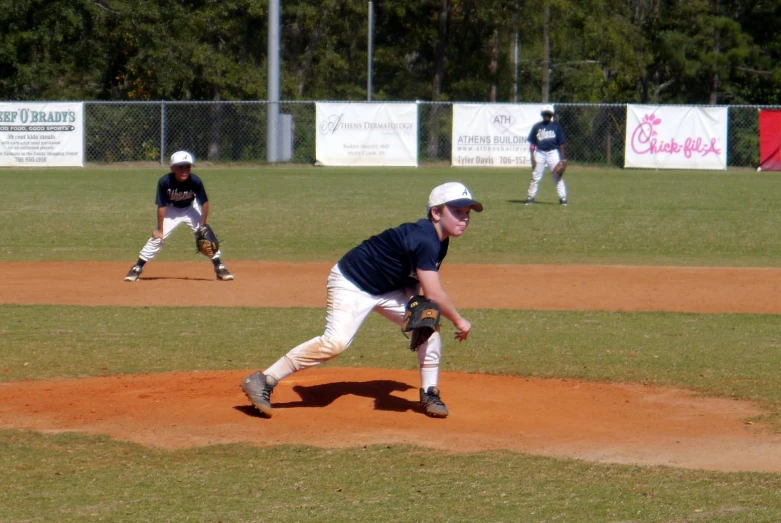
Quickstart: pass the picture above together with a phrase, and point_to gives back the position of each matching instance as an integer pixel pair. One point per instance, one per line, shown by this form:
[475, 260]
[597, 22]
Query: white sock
[429, 377]
[281, 369]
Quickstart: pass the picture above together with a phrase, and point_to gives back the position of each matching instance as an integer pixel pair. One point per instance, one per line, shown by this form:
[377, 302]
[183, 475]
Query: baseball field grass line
[72, 477]
[309, 214]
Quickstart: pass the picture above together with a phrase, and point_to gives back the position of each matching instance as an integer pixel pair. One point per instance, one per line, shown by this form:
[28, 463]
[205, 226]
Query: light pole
[272, 124]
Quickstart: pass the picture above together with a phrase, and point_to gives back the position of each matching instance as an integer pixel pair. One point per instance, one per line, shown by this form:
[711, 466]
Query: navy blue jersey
[390, 260]
[171, 192]
[547, 136]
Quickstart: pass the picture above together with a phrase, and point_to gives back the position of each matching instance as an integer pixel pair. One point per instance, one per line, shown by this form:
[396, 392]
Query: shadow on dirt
[318, 396]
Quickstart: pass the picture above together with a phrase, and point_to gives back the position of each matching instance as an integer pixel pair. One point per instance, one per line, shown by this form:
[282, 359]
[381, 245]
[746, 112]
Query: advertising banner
[492, 135]
[769, 140]
[34, 134]
[367, 134]
[676, 137]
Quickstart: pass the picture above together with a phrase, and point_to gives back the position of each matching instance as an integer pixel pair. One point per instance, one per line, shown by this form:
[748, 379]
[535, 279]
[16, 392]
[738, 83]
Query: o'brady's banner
[374, 134]
[38, 134]
[492, 135]
[676, 137]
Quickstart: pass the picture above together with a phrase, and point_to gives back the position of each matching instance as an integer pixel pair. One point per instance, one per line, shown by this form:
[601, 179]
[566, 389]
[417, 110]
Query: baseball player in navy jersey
[382, 274]
[546, 141]
[181, 198]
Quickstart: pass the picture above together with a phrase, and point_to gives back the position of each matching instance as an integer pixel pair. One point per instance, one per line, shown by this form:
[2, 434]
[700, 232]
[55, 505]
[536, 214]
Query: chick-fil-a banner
[676, 137]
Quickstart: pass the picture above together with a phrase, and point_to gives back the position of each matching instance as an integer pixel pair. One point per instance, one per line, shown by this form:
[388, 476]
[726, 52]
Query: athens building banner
[38, 134]
[492, 135]
[676, 137]
[367, 134]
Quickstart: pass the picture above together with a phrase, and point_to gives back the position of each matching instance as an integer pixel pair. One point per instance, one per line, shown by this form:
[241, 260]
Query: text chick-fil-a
[644, 141]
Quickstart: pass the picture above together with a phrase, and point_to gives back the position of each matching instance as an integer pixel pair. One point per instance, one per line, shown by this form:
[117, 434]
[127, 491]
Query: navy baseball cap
[455, 194]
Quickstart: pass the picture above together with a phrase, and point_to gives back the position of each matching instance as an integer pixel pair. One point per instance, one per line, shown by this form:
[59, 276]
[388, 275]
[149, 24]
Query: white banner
[38, 134]
[676, 137]
[371, 134]
[493, 135]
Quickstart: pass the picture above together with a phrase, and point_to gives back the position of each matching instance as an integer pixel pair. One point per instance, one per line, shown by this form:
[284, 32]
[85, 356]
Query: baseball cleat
[258, 388]
[222, 273]
[562, 201]
[530, 201]
[432, 405]
[133, 273]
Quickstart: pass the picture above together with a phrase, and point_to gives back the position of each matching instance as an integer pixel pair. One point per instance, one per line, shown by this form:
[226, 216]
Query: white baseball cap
[547, 109]
[455, 194]
[182, 158]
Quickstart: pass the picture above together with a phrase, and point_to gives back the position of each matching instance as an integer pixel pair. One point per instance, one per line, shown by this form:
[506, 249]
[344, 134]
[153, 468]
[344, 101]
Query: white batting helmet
[547, 109]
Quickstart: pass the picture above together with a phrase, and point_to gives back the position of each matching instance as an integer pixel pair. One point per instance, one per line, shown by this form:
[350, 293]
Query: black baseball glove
[206, 241]
[421, 319]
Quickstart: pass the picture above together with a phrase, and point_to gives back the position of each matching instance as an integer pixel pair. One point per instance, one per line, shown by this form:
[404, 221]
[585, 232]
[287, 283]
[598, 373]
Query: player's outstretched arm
[432, 289]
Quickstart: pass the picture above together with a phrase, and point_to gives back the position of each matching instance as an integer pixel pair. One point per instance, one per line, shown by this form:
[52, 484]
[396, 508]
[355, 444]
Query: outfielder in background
[382, 274]
[181, 198]
[546, 141]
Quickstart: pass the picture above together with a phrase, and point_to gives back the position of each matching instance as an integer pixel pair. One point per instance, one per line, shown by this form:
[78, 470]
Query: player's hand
[157, 234]
[462, 329]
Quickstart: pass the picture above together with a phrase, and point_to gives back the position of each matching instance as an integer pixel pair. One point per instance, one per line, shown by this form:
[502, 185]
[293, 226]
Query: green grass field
[308, 213]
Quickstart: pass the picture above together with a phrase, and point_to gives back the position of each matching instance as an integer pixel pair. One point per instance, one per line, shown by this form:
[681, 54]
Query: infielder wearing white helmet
[180, 198]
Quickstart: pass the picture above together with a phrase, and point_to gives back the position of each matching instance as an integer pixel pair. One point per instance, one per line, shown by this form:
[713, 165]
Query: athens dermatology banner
[41, 134]
[492, 135]
[676, 137]
[367, 134]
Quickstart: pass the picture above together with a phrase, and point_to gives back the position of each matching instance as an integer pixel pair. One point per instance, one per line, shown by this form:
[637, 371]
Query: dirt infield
[278, 284]
[334, 407]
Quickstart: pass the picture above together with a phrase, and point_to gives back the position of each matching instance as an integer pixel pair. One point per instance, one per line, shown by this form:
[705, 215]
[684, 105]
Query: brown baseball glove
[206, 241]
[560, 168]
[421, 319]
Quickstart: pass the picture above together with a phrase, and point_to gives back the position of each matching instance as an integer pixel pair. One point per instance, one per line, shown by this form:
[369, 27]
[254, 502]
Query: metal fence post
[162, 133]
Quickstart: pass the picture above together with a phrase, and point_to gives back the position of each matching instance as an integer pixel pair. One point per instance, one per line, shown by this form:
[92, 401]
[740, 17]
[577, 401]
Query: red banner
[769, 140]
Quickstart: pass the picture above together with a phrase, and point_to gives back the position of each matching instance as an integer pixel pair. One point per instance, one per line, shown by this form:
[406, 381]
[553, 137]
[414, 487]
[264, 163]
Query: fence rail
[237, 131]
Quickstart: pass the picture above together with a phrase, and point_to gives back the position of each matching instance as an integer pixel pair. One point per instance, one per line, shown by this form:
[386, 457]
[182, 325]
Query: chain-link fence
[237, 131]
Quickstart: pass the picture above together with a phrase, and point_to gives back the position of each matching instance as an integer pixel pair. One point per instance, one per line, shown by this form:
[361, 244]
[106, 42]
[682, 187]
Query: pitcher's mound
[339, 407]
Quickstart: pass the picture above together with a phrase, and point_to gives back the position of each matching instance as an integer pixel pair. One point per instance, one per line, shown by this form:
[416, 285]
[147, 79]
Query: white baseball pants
[174, 217]
[546, 159]
[347, 308]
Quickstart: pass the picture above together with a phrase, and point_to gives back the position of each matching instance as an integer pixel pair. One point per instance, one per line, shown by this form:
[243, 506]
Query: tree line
[636, 51]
